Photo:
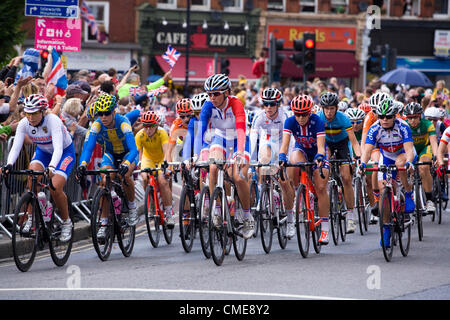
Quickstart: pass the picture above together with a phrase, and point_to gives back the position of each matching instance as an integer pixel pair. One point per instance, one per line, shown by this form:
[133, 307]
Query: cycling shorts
[426, 152]
[114, 160]
[224, 145]
[388, 161]
[64, 166]
[309, 156]
[342, 148]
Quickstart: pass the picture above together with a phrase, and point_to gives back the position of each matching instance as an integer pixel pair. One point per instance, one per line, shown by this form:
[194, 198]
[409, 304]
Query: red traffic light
[44, 54]
[309, 44]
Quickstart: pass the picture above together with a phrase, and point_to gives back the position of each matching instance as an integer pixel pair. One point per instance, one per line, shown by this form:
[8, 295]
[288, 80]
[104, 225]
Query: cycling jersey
[51, 137]
[446, 136]
[188, 146]
[177, 130]
[228, 124]
[118, 141]
[421, 134]
[152, 147]
[267, 132]
[305, 136]
[390, 141]
[336, 129]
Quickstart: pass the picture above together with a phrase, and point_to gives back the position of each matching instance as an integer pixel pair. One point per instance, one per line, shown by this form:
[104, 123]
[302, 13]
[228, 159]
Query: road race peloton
[213, 126]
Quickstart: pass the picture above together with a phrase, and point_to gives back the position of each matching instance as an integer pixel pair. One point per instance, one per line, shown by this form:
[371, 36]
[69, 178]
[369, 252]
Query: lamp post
[188, 27]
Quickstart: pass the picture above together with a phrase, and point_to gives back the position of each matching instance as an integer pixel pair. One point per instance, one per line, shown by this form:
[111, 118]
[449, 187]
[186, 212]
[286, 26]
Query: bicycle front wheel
[437, 193]
[282, 224]
[419, 208]
[359, 205]
[152, 218]
[334, 213]
[186, 220]
[404, 235]
[301, 221]
[24, 245]
[254, 198]
[102, 230]
[125, 234]
[388, 226]
[239, 243]
[265, 219]
[59, 251]
[204, 222]
[217, 230]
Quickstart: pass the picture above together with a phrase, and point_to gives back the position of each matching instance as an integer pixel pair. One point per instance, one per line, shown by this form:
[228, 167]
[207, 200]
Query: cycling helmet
[365, 107]
[184, 106]
[316, 109]
[150, 118]
[106, 102]
[412, 108]
[399, 105]
[198, 100]
[302, 104]
[376, 98]
[386, 108]
[217, 82]
[432, 112]
[250, 117]
[442, 112]
[35, 102]
[91, 112]
[329, 99]
[342, 106]
[355, 114]
[271, 95]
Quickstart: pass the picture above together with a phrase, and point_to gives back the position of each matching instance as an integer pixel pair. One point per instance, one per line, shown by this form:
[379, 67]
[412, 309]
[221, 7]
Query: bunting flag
[87, 16]
[171, 56]
[156, 92]
[135, 91]
[58, 74]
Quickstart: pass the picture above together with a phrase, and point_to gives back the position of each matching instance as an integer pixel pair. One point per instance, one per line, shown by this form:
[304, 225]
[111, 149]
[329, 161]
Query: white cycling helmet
[34, 103]
[376, 98]
[342, 106]
[355, 114]
[198, 100]
[217, 82]
[432, 112]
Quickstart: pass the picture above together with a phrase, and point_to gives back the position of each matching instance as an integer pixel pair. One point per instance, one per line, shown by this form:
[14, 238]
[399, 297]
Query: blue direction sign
[52, 8]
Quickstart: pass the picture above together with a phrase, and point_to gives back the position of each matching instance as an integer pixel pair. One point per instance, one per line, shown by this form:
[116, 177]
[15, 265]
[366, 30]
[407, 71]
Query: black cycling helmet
[412, 108]
[329, 99]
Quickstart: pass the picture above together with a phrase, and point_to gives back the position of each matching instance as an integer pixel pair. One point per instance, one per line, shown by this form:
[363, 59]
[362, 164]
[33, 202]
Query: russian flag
[58, 74]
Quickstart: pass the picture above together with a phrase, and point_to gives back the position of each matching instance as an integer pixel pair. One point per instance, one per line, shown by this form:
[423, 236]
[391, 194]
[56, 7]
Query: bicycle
[190, 219]
[155, 217]
[307, 220]
[254, 201]
[44, 229]
[393, 207]
[362, 203]
[437, 194]
[270, 211]
[116, 212]
[420, 209]
[338, 207]
[231, 224]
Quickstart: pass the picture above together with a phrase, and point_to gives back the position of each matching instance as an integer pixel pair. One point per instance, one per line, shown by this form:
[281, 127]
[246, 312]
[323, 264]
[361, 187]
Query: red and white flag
[171, 56]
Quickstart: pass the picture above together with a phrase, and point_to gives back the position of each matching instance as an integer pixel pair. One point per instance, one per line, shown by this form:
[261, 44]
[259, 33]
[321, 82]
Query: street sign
[61, 34]
[52, 8]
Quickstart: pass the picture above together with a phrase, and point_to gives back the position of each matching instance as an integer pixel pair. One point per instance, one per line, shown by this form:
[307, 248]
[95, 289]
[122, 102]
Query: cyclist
[425, 143]
[393, 136]
[339, 135]
[356, 117]
[54, 151]
[179, 128]
[226, 115]
[113, 131]
[152, 144]
[434, 115]
[308, 131]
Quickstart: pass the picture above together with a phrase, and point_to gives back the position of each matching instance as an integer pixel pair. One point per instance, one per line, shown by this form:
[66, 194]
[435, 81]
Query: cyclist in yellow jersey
[152, 144]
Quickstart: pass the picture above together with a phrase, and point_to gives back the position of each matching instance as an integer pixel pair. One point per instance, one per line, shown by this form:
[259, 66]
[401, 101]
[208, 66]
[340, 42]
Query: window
[200, 4]
[100, 10]
[275, 5]
[308, 6]
[441, 8]
[167, 4]
[339, 6]
[412, 8]
[232, 5]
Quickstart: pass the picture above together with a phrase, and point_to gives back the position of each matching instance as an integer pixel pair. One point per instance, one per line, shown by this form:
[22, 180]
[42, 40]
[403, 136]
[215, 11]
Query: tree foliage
[12, 15]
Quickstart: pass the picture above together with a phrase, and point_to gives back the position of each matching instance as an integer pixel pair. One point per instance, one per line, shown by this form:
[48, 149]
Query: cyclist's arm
[18, 142]
[354, 142]
[321, 144]
[254, 135]
[89, 144]
[433, 143]
[130, 142]
[285, 142]
[239, 114]
[409, 150]
[188, 145]
[205, 115]
[370, 144]
[57, 141]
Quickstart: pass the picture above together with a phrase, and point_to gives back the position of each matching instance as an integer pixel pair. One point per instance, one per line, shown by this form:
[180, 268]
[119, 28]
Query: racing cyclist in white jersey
[54, 150]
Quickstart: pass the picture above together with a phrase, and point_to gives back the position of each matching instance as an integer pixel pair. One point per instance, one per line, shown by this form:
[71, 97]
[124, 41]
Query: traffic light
[275, 58]
[44, 58]
[374, 62]
[297, 57]
[224, 66]
[309, 53]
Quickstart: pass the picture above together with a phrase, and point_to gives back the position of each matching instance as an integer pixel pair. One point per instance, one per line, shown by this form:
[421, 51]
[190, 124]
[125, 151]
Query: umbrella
[407, 76]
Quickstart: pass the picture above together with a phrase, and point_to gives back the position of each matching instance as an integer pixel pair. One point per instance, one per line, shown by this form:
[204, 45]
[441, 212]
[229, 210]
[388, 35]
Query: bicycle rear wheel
[317, 229]
[302, 221]
[265, 219]
[342, 215]
[282, 225]
[239, 243]
[24, 246]
[386, 209]
[334, 213]
[419, 208]
[217, 233]
[204, 222]
[168, 233]
[186, 221]
[125, 233]
[59, 251]
[404, 236]
[359, 205]
[152, 218]
[437, 193]
[254, 198]
[102, 245]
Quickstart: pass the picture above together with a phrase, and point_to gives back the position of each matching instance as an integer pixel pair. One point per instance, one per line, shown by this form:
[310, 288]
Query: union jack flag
[87, 15]
[157, 91]
[135, 91]
[171, 56]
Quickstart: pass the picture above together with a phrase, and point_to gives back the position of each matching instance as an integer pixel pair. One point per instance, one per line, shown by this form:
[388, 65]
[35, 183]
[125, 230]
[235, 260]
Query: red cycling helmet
[365, 107]
[150, 118]
[184, 106]
[302, 104]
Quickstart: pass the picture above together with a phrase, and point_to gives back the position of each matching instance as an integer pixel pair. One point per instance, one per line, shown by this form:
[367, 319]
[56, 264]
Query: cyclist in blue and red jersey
[309, 134]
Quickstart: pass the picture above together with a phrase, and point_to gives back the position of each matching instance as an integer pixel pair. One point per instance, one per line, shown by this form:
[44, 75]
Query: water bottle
[311, 200]
[231, 205]
[116, 202]
[46, 206]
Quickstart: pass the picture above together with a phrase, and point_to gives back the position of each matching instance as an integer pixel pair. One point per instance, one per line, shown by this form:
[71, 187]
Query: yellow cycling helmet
[91, 112]
[105, 103]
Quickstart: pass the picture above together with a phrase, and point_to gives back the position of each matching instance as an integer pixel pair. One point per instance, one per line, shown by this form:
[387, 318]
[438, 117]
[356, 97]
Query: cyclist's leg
[39, 162]
[425, 174]
[375, 157]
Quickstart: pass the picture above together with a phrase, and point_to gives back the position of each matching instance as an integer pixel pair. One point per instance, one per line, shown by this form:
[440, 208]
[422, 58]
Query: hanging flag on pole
[171, 56]
[58, 75]
[87, 16]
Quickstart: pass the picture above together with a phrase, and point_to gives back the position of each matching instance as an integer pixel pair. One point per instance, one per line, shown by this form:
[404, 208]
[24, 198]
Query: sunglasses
[385, 117]
[270, 104]
[150, 125]
[104, 113]
[28, 114]
[413, 117]
[185, 116]
[357, 122]
[302, 115]
[215, 94]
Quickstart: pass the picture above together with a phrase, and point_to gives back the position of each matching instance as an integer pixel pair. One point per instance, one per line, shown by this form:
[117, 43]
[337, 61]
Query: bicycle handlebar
[29, 172]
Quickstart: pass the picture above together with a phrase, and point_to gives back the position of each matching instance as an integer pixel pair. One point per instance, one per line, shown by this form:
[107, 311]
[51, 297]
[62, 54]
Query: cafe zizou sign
[212, 39]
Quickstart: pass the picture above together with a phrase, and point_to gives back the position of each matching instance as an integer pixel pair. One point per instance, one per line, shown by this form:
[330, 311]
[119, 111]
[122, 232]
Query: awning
[201, 68]
[329, 64]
